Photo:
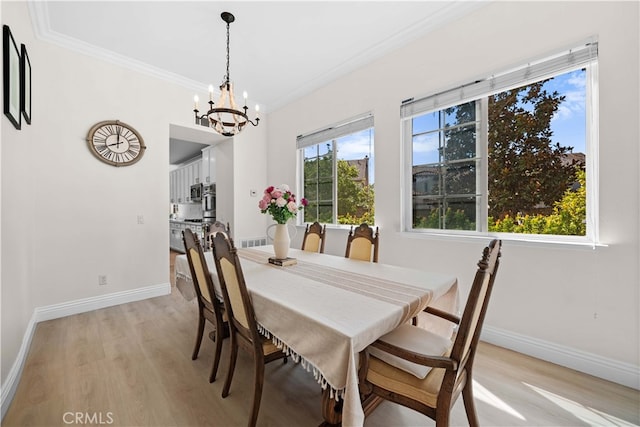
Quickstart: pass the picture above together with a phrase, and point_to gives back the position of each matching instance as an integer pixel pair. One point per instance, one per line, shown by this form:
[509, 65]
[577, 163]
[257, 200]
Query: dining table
[324, 310]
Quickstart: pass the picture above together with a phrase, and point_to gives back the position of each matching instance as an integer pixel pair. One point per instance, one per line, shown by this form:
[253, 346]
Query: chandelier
[225, 118]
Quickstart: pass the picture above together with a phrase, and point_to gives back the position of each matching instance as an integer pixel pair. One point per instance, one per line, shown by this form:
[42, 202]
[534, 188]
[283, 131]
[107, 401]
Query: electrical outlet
[102, 279]
[140, 219]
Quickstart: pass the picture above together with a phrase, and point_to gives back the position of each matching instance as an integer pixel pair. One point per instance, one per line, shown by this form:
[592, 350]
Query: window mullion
[334, 159]
[408, 202]
[443, 170]
[482, 164]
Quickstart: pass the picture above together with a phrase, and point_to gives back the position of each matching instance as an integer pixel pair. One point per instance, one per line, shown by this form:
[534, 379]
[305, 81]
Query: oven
[209, 203]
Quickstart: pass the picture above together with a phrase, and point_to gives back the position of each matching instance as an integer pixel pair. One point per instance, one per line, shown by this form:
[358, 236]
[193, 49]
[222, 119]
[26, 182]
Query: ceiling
[279, 50]
[187, 142]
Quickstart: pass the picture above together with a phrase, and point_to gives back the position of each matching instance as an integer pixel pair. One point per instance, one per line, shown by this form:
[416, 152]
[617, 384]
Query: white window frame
[329, 135]
[583, 56]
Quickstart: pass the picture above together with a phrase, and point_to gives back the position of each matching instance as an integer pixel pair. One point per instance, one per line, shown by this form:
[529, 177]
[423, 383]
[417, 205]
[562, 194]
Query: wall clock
[115, 143]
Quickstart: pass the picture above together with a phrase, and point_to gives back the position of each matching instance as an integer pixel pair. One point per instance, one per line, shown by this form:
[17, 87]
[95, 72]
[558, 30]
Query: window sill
[573, 242]
[330, 226]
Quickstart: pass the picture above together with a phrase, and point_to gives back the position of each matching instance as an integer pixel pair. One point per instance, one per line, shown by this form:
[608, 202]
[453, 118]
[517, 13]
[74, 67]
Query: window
[444, 168]
[506, 154]
[337, 173]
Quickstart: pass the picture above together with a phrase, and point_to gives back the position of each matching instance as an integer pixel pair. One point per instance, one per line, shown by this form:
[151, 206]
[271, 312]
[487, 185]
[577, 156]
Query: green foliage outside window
[455, 220]
[318, 188]
[568, 217]
[355, 199]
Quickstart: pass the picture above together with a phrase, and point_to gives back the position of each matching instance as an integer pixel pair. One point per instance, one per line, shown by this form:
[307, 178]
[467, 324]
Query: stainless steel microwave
[196, 193]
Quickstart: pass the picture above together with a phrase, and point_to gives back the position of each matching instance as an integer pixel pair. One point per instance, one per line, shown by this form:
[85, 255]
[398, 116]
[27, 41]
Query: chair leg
[232, 366]
[469, 404]
[216, 357]
[196, 349]
[258, 380]
[442, 417]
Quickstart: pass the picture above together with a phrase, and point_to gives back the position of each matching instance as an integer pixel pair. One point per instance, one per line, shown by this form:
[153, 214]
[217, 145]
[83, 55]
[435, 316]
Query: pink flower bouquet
[281, 203]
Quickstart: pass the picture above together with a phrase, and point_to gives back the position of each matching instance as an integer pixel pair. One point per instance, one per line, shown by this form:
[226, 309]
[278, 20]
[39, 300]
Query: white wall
[249, 173]
[67, 217]
[577, 298]
[224, 183]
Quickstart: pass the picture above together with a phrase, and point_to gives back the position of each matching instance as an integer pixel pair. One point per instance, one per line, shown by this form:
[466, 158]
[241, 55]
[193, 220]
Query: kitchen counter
[176, 226]
[185, 221]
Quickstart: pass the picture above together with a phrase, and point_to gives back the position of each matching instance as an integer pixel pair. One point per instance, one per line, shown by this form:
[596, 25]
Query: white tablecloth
[326, 309]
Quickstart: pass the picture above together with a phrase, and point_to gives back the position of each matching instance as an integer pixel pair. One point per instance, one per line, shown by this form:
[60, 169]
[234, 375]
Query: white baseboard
[56, 311]
[94, 303]
[589, 363]
[13, 378]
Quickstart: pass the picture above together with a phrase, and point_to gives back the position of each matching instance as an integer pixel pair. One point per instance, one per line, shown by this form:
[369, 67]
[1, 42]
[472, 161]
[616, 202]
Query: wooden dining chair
[209, 307]
[242, 322]
[427, 372]
[362, 243]
[213, 229]
[313, 240]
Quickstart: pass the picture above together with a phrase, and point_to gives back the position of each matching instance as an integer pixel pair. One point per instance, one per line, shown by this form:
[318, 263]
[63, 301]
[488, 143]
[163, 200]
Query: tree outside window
[338, 180]
[519, 168]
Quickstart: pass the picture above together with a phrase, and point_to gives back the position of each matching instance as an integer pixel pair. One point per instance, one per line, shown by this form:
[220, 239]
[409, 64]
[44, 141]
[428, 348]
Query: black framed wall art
[11, 77]
[25, 84]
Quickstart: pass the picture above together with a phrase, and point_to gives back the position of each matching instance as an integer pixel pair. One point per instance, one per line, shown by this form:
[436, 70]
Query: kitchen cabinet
[176, 227]
[173, 184]
[208, 167]
[181, 180]
[177, 186]
[195, 171]
[181, 186]
[175, 236]
[188, 177]
[181, 192]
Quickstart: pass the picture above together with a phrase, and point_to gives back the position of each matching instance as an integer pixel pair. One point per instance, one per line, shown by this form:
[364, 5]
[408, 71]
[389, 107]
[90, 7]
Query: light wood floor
[131, 364]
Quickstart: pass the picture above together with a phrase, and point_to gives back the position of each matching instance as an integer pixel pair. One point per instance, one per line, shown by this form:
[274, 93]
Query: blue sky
[356, 146]
[569, 122]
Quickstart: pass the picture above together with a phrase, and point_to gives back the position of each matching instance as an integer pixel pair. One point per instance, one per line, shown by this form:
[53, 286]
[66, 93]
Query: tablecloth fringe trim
[337, 394]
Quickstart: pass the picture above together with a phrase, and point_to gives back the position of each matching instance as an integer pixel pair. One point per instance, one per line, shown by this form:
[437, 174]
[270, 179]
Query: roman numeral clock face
[115, 143]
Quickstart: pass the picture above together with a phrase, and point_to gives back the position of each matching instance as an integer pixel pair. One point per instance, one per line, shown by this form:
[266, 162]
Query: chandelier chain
[228, 78]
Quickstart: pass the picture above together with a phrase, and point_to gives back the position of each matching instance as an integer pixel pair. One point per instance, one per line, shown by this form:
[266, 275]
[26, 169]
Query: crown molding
[39, 12]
